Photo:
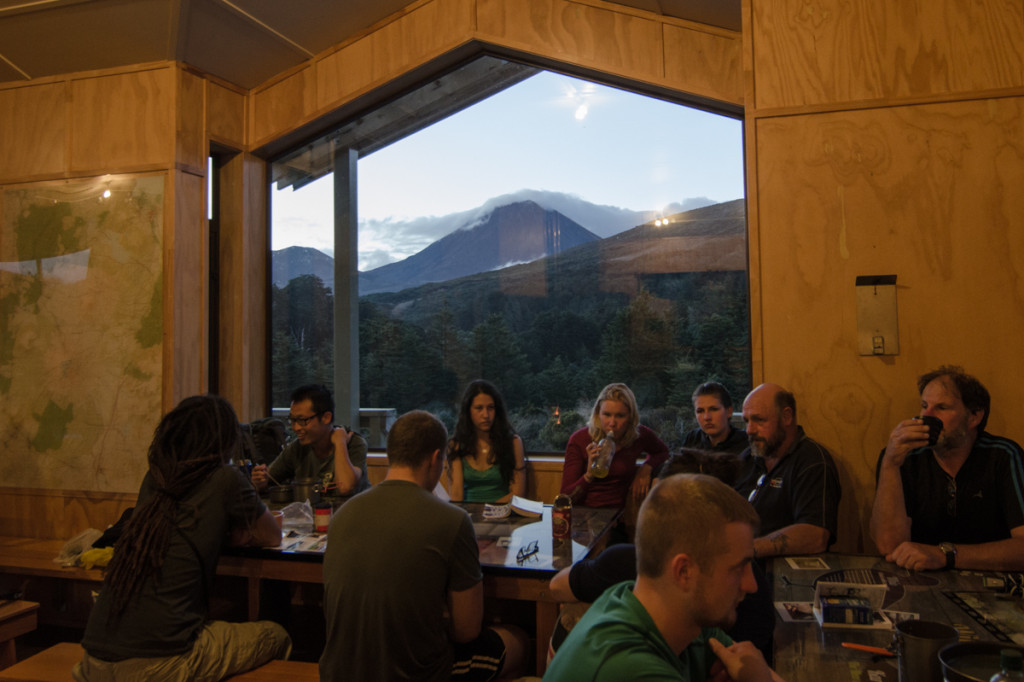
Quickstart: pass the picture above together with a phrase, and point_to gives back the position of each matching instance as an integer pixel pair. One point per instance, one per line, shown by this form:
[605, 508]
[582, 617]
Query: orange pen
[870, 649]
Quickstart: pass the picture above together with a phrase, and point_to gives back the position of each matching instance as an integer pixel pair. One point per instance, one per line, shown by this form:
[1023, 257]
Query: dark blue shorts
[479, 660]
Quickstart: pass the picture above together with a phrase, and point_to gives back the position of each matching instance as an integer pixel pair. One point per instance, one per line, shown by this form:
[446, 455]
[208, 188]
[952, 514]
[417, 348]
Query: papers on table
[294, 541]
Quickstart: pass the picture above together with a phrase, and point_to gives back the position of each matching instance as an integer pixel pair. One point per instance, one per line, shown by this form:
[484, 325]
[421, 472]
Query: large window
[546, 233]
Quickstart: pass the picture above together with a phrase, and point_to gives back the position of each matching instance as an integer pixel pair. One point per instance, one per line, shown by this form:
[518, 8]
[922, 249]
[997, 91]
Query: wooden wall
[881, 138]
[884, 138]
[622, 44]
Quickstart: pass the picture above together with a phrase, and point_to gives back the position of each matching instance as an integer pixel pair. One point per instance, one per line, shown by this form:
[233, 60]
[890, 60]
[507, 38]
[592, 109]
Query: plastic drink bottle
[1012, 663]
[605, 451]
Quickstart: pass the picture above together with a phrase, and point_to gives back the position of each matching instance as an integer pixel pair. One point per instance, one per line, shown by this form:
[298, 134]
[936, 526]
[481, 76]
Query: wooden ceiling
[245, 42]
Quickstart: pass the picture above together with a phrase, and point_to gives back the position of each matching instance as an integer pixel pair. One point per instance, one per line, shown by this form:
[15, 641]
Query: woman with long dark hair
[486, 458]
[149, 621]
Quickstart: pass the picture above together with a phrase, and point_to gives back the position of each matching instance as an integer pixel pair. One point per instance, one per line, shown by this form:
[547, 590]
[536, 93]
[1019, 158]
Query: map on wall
[80, 331]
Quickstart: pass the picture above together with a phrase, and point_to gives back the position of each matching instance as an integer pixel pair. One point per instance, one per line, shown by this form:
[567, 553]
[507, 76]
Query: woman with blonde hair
[614, 412]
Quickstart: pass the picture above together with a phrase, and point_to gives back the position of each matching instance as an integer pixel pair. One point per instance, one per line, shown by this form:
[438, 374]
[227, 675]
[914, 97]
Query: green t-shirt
[617, 640]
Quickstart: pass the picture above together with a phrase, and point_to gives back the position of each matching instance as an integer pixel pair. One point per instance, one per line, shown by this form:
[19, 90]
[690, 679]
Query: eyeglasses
[951, 502]
[527, 552]
[302, 421]
[760, 482]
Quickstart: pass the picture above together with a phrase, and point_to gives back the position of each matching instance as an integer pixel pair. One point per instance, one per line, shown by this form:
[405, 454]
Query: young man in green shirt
[695, 544]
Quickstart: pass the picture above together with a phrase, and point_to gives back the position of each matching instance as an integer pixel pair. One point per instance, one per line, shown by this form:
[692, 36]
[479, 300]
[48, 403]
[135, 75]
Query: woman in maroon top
[614, 410]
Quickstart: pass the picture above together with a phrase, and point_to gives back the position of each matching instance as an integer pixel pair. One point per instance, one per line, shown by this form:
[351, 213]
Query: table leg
[8, 654]
[254, 597]
[547, 614]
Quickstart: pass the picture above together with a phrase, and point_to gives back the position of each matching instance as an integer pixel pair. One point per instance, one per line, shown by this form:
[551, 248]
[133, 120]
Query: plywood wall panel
[225, 115]
[59, 514]
[186, 307]
[283, 105]
[243, 287]
[812, 53]
[928, 193]
[190, 141]
[408, 41]
[704, 63]
[594, 37]
[33, 132]
[123, 121]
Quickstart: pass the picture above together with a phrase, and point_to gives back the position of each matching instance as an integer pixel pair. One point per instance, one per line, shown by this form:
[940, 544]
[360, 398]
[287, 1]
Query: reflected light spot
[581, 112]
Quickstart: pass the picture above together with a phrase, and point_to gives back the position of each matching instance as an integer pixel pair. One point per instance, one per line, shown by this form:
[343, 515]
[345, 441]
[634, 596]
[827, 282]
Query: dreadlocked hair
[191, 441]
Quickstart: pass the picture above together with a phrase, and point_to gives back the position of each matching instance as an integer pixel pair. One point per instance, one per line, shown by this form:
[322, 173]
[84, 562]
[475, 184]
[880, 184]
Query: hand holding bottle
[601, 457]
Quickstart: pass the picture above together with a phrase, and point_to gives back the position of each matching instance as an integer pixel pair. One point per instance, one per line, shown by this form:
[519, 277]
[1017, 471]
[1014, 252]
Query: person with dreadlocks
[150, 619]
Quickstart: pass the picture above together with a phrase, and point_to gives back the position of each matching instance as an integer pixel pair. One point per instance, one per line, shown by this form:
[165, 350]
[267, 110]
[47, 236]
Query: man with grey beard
[790, 479]
[960, 502]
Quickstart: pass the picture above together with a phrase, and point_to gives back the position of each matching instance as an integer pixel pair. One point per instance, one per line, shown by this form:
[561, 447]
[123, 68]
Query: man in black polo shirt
[790, 479]
[712, 406]
[959, 503]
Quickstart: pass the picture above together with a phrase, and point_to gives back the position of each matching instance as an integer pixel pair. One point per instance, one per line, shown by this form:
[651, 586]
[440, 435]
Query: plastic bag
[297, 515]
[74, 547]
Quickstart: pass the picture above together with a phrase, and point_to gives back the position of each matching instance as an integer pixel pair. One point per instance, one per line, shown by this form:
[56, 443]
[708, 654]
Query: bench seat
[54, 665]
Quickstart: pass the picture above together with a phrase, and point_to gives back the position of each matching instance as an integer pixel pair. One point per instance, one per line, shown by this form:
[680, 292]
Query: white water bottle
[1012, 663]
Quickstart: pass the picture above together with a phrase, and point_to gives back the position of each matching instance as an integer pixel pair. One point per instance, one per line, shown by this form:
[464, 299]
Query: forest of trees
[549, 355]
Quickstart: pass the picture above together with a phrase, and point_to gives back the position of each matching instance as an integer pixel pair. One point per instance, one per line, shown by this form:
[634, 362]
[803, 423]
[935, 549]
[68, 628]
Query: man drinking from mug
[960, 502]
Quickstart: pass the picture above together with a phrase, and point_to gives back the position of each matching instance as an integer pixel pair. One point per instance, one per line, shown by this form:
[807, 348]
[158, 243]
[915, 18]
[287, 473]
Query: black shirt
[735, 442]
[982, 504]
[802, 488]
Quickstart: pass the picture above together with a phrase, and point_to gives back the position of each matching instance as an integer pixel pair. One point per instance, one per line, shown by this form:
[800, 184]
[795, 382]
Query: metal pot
[281, 494]
[307, 489]
[972, 661]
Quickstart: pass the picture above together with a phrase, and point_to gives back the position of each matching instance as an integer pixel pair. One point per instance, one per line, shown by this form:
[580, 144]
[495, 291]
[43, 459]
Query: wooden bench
[52, 665]
[281, 670]
[55, 663]
[16, 618]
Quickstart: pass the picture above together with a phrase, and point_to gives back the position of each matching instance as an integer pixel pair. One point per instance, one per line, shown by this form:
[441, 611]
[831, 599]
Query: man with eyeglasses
[320, 450]
[960, 502]
[791, 480]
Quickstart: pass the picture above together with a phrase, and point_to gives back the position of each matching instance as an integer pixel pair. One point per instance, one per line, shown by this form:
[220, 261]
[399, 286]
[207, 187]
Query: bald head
[770, 413]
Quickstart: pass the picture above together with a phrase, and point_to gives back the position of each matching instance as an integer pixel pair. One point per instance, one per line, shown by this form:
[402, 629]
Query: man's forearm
[559, 586]
[1001, 555]
[799, 538]
[346, 476]
[264, 532]
[890, 524]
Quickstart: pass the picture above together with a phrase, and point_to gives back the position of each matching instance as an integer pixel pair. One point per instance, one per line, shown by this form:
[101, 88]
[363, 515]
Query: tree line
[549, 355]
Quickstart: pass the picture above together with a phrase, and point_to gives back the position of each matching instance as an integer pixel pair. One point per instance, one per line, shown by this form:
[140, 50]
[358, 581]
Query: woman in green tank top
[486, 458]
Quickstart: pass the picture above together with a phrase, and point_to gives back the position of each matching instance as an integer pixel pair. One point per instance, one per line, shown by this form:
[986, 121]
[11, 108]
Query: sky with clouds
[544, 138]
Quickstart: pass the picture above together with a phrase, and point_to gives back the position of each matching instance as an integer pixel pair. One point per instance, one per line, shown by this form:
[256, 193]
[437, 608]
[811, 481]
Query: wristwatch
[949, 549]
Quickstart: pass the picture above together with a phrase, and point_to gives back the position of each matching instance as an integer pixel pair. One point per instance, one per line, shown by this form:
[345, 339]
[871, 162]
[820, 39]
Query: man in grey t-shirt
[397, 560]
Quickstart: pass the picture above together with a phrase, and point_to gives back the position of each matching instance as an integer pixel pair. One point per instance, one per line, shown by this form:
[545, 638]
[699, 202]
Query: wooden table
[804, 652]
[511, 567]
